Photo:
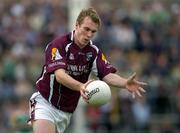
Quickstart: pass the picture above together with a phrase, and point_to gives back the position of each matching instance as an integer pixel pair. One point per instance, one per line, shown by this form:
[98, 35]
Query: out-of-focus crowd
[141, 36]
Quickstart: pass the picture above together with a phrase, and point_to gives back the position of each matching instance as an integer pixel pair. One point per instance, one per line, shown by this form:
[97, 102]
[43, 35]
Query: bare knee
[43, 126]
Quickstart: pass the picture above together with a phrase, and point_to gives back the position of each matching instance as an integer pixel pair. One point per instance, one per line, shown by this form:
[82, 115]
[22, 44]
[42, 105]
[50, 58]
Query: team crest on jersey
[55, 54]
[88, 56]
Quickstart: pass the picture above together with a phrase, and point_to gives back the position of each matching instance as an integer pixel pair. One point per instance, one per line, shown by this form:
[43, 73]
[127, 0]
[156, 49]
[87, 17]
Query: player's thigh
[43, 126]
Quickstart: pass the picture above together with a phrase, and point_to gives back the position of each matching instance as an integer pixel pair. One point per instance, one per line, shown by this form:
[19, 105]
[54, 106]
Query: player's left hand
[134, 86]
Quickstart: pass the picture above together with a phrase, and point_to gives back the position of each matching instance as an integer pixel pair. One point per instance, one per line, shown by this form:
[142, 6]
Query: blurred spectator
[141, 112]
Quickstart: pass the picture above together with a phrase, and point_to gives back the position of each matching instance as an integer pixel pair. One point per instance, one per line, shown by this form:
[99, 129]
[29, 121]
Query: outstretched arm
[130, 83]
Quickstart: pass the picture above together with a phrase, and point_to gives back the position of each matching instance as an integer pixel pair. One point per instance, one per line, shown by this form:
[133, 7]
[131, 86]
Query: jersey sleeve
[101, 67]
[55, 57]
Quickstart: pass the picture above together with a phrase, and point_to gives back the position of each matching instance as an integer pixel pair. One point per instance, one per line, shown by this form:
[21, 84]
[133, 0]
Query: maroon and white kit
[63, 53]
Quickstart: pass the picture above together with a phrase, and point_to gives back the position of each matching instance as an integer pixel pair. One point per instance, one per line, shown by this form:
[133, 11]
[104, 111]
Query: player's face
[85, 31]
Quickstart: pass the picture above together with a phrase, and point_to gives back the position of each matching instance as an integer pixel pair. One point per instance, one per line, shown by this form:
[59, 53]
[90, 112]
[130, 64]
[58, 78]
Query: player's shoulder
[59, 41]
[62, 39]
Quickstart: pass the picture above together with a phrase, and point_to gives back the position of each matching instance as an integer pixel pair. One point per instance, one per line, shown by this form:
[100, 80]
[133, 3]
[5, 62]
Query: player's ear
[76, 25]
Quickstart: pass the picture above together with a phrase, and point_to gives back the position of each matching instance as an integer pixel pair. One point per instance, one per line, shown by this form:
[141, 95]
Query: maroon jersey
[63, 53]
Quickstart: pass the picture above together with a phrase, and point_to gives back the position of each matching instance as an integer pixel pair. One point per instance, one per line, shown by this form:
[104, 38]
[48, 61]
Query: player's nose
[90, 34]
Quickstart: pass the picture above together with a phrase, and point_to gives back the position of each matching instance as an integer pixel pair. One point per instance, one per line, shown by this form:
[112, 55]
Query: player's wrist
[124, 83]
[80, 86]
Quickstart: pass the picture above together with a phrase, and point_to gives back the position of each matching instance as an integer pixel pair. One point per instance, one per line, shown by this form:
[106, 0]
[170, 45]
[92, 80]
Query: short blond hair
[89, 12]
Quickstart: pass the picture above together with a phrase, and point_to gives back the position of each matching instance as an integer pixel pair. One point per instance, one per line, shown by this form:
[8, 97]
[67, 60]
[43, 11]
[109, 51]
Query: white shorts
[42, 109]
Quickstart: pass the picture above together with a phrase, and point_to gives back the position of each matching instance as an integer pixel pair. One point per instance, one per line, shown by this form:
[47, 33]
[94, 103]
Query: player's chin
[85, 42]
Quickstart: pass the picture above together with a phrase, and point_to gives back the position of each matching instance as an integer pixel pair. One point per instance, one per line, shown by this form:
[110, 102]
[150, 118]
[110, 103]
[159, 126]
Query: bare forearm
[115, 80]
[63, 78]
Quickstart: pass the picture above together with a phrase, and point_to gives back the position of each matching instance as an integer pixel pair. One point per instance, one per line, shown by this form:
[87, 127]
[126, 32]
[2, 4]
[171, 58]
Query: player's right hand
[83, 90]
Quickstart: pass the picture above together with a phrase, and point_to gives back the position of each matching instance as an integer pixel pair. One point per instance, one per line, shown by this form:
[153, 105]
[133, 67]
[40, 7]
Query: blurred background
[136, 35]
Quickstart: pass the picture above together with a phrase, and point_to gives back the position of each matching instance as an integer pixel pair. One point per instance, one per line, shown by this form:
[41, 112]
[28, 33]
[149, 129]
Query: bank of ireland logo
[55, 54]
